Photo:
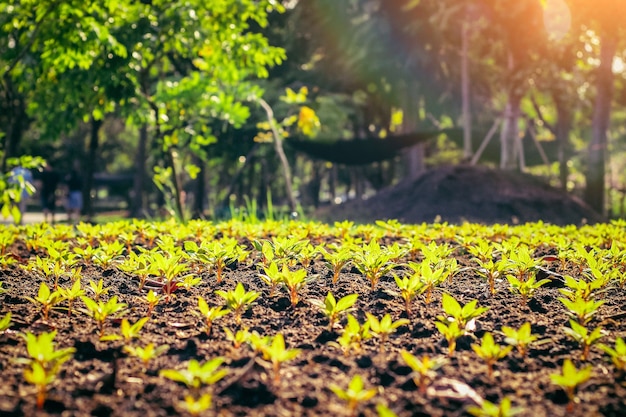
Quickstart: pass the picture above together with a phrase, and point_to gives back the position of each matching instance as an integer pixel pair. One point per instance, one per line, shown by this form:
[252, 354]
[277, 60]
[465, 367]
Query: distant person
[23, 177]
[74, 195]
[49, 182]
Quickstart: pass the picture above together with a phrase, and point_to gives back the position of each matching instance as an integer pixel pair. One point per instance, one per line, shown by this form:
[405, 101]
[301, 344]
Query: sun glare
[557, 19]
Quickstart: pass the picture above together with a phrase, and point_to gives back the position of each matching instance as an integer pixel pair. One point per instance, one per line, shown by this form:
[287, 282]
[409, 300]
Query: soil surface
[455, 194]
[101, 380]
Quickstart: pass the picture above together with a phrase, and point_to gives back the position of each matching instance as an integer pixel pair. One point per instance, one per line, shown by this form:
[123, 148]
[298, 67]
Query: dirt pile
[467, 193]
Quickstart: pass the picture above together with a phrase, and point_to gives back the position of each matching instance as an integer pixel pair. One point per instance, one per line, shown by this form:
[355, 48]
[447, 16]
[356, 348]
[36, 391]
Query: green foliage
[46, 298]
[353, 335]
[451, 332]
[384, 327]
[355, 394]
[100, 310]
[430, 277]
[373, 262]
[71, 294]
[127, 331]
[527, 287]
[571, 378]
[337, 260]
[238, 300]
[409, 287]
[45, 362]
[5, 322]
[209, 314]
[462, 315]
[333, 308]
[147, 353]
[153, 300]
[521, 338]
[489, 409]
[424, 368]
[490, 352]
[617, 354]
[581, 309]
[277, 353]
[584, 337]
[14, 187]
[197, 375]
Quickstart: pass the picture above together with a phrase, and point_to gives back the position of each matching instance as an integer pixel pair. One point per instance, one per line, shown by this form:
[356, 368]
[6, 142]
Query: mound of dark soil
[465, 193]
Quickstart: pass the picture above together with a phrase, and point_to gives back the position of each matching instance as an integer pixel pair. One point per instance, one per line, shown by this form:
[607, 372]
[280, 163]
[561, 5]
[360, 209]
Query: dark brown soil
[100, 381]
[455, 194]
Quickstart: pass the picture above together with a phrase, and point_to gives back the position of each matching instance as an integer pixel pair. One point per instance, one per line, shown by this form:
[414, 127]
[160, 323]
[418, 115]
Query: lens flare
[557, 19]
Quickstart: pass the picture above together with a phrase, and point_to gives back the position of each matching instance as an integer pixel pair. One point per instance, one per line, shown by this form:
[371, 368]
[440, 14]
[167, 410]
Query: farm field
[135, 318]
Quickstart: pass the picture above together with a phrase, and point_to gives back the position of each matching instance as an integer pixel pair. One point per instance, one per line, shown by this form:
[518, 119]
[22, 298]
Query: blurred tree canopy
[174, 94]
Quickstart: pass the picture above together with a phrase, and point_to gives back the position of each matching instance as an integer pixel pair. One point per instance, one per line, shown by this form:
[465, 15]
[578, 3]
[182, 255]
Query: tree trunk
[17, 121]
[595, 189]
[278, 146]
[465, 88]
[139, 178]
[414, 156]
[199, 192]
[509, 135]
[92, 153]
[562, 131]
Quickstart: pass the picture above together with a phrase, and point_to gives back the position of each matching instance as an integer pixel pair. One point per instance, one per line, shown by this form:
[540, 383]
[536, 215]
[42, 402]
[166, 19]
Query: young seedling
[196, 407]
[584, 337]
[451, 332]
[333, 309]
[462, 315]
[5, 322]
[384, 327]
[355, 394]
[429, 277]
[170, 270]
[209, 314]
[409, 288]
[489, 409]
[257, 342]
[146, 354]
[525, 288]
[336, 261]
[100, 310]
[127, 331]
[490, 352]
[490, 271]
[196, 375]
[153, 300]
[353, 335]
[46, 298]
[580, 288]
[272, 277]
[294, 281]
[617, 354]
[98, 289]
[569, 379]
[521, 338]
[45, 362]
[277, 353]
[424, 368]
[580, 309]
[71, 294]
[238, 338]
[238, 300]
[373, 262]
